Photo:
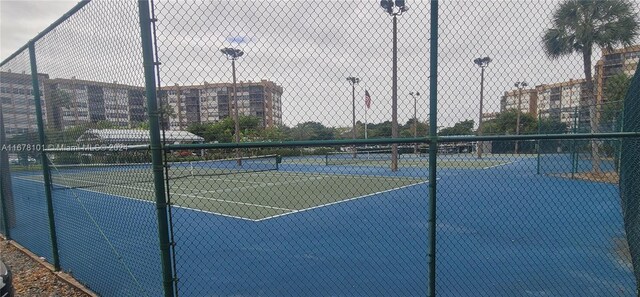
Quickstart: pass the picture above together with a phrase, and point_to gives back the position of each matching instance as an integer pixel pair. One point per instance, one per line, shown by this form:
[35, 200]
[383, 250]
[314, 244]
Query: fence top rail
[317, 143]
[346, 142]
[44, 32]
[540, 136]
[88, 148]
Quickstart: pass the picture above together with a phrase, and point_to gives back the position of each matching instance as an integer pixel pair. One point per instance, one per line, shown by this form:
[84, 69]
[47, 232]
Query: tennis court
[254, 190]
[266, 229]
[382, 158]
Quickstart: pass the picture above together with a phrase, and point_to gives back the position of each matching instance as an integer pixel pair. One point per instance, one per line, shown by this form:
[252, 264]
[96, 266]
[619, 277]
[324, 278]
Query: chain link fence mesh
[26, 211]
[282, 175]
[93, 89]
[629, 175]
[294, 230]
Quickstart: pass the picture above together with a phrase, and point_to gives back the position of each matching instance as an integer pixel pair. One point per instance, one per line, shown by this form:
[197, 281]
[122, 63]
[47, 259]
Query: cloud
[310, 47]
[239, 39]
[20, 21]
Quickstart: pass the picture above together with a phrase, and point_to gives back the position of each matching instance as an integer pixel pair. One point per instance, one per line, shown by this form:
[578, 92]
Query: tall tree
[615, 90]
[578, 26]
[460, 128]
[312, 131]
[222, 131]
[167, 113]
[505, 123]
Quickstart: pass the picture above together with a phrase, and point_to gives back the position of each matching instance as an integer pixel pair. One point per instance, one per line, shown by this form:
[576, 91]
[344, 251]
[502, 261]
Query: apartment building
[566, 101]
[18, 103]
[488, 116]
[182, 105]
[75, 102]
[563, 102]
[211, 102]
[526, 99]
[91, 102]
[624, 60]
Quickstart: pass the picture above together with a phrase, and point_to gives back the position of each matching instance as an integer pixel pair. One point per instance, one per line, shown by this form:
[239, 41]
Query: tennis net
[359, 157]
[100, 175]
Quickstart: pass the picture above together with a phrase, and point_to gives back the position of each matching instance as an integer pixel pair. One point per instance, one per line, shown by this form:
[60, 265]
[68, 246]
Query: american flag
[367, 99]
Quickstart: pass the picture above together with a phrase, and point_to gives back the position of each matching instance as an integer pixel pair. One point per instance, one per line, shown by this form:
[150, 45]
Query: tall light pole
[520, 85]
[353, 80]
[233, 54]
[482, 63]
[394, 8]
[415, 119]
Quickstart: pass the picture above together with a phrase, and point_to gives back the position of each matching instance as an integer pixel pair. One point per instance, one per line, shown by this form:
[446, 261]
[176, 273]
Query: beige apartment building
[566, 101]
[211, 102]
[527, 99]
[92, 102]
[18, 104]
[125, 105]
[624, 60]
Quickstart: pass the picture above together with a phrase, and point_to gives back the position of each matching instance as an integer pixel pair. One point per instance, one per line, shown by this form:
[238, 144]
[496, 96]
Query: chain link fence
[299, 148]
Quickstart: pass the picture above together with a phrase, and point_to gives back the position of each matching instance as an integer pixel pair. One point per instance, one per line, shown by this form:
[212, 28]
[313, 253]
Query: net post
[45, 162]
[156, 148]
[433, 144]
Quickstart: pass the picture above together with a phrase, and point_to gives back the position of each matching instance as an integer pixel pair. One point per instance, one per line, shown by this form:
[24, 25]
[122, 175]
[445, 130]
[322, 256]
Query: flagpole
[367, 105]
[365, 122]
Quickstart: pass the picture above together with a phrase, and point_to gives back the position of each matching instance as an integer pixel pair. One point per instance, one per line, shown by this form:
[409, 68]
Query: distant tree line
[252, 130]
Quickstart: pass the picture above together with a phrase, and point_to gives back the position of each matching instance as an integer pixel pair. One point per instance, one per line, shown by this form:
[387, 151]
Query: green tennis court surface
[250, 195]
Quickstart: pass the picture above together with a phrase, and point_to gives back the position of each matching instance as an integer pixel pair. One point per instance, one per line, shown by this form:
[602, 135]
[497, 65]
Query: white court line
[341, 201]
[185, 195]
[291, 211]
[505, 164]
[326, 174]
[260, 185]
[224, 179]
[257, 183]
[144, 200]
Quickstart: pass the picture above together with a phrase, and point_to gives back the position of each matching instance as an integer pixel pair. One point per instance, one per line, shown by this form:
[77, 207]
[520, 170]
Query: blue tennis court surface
[502, 231]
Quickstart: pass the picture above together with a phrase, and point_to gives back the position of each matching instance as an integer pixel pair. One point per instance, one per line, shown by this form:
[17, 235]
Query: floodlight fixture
[232, 53]
[520, 85]
[482, 63]
[394, 8]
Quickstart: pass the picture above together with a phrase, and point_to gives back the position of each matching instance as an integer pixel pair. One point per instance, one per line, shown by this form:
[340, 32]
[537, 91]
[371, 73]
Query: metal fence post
[45, 162]
[4, 162]
[574, 153]
[629, 177]
[433, 144]
[620, 128]
[156, 148]
[538, 146]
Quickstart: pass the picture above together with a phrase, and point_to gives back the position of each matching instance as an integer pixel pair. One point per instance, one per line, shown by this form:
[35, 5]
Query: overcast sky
[21, 20]
[307, 47]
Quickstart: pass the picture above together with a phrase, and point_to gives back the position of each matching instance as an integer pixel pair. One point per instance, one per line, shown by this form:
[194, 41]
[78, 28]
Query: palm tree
[578, 26]
[167, 113]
